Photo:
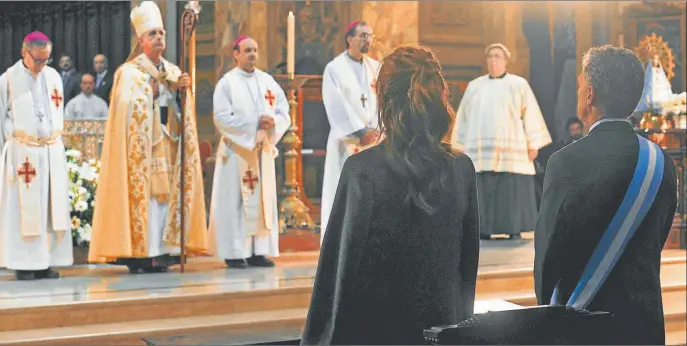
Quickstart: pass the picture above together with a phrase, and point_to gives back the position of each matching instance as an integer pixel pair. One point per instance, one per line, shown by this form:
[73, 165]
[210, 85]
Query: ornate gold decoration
[293, 213]
[85, 136]
[653, 46]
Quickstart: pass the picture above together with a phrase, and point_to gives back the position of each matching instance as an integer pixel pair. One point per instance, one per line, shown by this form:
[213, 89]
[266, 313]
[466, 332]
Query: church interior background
[546, 39]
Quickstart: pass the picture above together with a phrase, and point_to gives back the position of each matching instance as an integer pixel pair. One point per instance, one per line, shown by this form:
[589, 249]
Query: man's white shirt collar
[606, 121]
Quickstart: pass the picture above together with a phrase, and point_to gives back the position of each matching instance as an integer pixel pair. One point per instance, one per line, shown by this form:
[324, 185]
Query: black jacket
[584, 185]
[71, 84]
[387, 271]
[103, 91]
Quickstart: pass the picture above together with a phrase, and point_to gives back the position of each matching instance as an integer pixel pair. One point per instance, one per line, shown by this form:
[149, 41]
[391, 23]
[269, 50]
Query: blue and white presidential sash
[634, 207]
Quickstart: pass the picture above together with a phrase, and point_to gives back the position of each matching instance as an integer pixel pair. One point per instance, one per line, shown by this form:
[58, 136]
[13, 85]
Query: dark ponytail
[416, 118]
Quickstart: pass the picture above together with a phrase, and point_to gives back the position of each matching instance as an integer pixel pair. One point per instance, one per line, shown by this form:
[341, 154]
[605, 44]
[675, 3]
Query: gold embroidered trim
[33, 141]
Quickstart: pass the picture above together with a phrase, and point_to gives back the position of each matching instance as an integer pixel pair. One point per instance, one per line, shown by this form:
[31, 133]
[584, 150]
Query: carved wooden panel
[455, 31]
[451, 22]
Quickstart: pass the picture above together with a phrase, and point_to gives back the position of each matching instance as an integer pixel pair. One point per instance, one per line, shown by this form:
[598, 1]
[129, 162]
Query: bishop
[137, 217]
[35, 229]
[252, 114]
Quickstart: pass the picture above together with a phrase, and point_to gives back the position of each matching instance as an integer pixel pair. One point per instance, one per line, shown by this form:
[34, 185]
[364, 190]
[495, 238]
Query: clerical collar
[354, 59]
[246, 73]
[499, 77]
[606, 120]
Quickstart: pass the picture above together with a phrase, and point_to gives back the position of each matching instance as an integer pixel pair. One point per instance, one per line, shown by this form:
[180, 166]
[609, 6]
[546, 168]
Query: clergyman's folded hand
[266, 122]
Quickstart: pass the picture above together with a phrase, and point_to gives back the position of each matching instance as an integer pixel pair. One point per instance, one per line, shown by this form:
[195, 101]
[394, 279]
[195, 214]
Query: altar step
[123, 317]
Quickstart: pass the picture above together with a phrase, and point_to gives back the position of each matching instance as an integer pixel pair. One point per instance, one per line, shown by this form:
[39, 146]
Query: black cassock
[584, 185]
[387, 271]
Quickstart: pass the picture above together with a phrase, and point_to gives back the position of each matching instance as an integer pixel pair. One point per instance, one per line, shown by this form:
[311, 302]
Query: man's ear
[591, 96]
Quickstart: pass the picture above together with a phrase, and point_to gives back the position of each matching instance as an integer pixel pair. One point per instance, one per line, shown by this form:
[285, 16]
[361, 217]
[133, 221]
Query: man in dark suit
[584, 186]
[103, 78]
[71, 78]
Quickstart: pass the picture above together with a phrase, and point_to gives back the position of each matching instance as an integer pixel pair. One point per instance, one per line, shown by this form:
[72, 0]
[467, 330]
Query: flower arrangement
[83, 177]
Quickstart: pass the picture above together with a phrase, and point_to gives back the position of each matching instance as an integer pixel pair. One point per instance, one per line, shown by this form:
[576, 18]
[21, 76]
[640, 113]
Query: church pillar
[394, 23]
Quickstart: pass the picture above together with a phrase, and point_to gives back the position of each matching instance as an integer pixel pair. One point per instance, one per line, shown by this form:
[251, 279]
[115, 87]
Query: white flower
[88, 172]
[93, 203]
[81, 206]
[72, 167]
[84, 234]
[72, 153]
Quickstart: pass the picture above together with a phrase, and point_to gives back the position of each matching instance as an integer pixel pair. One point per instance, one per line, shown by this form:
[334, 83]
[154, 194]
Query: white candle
[291, 44]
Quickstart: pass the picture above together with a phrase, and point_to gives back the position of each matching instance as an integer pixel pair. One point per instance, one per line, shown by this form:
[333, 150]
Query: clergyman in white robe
[348, 93]
[244, 218]
[86, 107]
[497, 123]
[35, 228]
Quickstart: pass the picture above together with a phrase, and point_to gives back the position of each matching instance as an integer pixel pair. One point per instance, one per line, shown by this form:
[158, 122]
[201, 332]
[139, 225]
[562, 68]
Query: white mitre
[146, 17]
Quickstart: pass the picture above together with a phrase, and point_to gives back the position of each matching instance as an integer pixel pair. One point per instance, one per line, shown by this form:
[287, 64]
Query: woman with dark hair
[401, 248]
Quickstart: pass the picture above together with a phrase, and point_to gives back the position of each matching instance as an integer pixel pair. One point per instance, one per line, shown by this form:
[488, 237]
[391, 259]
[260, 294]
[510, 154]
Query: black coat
[103, 91]
[584, 185]
[71, 85]
[387, 271]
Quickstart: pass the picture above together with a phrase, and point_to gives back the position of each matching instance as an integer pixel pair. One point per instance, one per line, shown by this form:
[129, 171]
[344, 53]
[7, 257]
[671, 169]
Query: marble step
[130, 333]
[226, 297]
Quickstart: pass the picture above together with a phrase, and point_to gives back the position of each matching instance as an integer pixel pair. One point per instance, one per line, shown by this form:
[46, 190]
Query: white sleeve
[342, 119]
[235, 127]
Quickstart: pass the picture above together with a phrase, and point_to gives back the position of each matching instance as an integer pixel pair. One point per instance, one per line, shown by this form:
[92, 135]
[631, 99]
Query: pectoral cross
[27, 171]
[250, 180]
[56, 97]
[363, 99]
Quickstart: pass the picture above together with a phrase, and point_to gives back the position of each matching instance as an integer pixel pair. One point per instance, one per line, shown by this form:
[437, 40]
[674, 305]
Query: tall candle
[291, 44]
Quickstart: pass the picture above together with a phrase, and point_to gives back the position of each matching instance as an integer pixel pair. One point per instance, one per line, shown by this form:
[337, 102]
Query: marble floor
[91, 283]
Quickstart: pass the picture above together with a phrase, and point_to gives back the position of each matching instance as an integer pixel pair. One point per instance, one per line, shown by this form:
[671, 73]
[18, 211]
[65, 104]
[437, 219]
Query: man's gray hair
[617, 77]
[36, 44]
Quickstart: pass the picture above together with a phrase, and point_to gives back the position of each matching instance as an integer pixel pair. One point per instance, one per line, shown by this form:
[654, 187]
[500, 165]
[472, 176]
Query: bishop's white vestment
[498, 121]
[348, 93]
[243, 214]
[35, 227]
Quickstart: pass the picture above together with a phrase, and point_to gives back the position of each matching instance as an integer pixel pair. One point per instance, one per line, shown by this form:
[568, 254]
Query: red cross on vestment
[56, 97]
[250, 180]
[27, 171]
[269, 96]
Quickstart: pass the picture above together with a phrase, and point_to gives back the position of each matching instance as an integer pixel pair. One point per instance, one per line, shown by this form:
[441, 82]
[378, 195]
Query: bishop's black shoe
[259, 261]
[25, 275]
[236, 263]
[47, 274]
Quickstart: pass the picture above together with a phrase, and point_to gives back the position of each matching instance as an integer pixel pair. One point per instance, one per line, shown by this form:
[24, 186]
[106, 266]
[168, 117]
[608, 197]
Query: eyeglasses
[39, 61]
[365, 36]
